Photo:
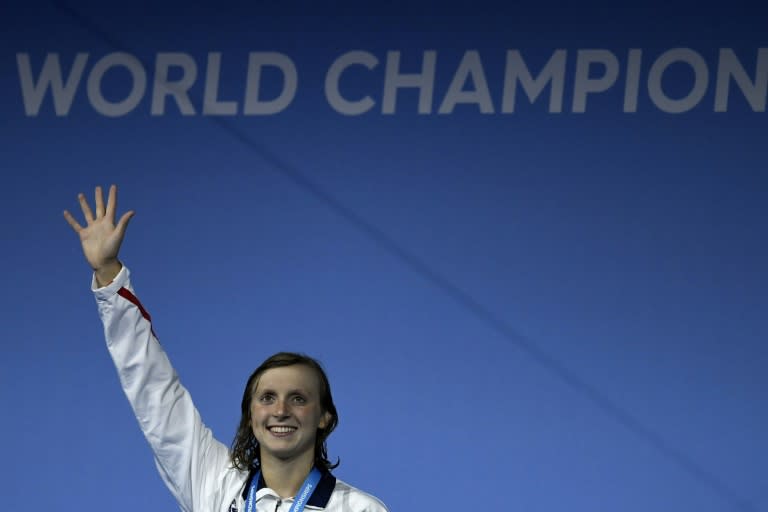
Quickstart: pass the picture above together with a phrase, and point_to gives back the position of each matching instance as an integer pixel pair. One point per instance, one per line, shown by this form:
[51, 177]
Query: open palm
[101, 237]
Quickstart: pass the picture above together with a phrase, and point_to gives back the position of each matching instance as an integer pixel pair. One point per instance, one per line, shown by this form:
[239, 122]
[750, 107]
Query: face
[286, 413]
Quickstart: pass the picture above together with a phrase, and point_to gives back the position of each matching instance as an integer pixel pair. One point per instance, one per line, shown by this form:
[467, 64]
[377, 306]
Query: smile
[281, 429]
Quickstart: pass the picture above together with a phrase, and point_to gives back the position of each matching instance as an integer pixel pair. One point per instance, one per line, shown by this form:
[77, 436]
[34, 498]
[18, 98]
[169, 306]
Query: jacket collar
[319, 498]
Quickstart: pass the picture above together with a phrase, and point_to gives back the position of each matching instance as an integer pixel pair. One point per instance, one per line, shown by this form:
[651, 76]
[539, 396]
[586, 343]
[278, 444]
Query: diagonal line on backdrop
[464, 299]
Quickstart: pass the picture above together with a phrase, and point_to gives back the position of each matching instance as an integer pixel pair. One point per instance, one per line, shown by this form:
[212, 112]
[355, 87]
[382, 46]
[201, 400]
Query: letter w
[50, 76]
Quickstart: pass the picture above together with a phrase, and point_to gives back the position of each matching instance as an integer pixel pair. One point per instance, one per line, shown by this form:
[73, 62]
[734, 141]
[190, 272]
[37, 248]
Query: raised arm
[189, 459]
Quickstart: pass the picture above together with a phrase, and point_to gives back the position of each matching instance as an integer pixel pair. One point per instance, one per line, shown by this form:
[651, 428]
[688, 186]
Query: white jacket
[196, 467]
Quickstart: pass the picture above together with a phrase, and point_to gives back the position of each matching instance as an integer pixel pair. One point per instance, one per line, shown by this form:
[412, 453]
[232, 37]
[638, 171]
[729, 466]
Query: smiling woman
[287, 413]
[278, 460]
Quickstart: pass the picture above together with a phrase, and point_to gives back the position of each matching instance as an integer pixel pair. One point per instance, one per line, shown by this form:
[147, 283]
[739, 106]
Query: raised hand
[101, 238]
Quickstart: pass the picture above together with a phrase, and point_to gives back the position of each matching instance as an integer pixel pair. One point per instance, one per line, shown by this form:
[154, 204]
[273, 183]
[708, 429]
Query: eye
[267, 398]
[298, 399]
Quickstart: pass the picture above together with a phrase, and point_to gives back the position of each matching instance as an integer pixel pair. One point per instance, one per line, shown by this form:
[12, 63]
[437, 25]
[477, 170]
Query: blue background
[528, 311]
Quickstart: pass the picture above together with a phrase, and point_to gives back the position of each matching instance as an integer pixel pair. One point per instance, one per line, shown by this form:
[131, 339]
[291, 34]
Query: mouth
[282, 430]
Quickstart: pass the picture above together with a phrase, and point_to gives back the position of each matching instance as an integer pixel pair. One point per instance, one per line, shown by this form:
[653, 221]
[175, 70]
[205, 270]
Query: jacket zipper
[277, 505]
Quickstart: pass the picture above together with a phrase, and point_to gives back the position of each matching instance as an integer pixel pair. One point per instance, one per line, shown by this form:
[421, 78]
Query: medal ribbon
[301, 497]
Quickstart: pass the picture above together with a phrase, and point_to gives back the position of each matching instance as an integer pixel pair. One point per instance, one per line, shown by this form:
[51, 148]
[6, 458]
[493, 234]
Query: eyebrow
[290, 392]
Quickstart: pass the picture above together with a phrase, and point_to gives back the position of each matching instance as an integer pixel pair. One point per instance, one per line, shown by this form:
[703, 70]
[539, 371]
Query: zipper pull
[277, 505]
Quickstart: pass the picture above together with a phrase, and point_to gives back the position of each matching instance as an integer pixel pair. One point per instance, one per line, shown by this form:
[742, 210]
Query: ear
[325, 420]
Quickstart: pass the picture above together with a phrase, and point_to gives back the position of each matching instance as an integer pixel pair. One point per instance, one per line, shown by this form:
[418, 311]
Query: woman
[278, 459]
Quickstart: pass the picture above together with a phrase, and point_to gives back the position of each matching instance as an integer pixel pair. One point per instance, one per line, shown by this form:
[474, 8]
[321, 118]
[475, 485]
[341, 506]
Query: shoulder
[348, 498]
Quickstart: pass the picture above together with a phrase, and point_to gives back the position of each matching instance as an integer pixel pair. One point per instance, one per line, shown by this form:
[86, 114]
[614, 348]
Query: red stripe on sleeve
[124, 293]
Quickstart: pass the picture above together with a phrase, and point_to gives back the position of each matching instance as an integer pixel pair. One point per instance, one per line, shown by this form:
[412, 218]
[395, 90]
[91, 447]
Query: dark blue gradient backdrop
[538, 308]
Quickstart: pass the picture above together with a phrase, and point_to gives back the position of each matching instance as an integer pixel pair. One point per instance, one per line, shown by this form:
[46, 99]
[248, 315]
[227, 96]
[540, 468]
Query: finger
[112, 203]
[123, 223]
[86, 209]
[72, 222]
[99, 200]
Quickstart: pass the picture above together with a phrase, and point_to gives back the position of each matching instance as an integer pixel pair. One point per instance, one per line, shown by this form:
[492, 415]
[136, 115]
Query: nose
[281, 409]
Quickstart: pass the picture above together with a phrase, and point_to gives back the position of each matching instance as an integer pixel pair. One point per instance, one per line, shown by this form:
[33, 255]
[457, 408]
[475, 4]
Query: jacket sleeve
[189, 459]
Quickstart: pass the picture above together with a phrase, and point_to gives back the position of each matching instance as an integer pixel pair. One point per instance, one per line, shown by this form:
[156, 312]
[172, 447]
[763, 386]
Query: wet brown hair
[245, 448]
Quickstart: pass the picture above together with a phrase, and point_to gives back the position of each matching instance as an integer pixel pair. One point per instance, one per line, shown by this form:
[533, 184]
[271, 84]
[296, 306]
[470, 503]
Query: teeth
[282, 430]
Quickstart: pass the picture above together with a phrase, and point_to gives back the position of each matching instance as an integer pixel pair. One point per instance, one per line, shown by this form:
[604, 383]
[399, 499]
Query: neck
[286, 477]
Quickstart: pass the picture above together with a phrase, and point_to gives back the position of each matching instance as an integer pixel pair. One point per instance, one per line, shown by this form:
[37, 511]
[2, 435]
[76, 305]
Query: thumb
[122, 224]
